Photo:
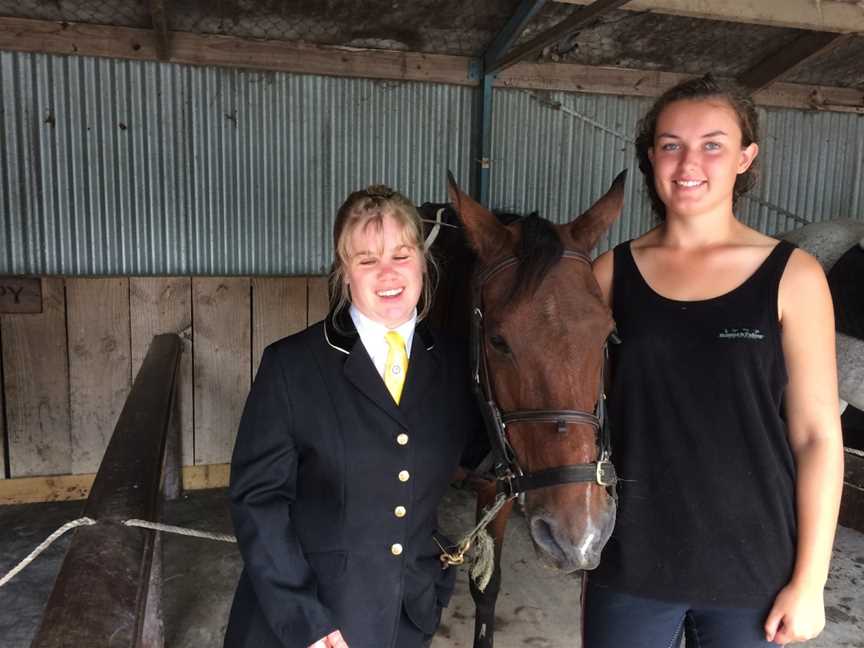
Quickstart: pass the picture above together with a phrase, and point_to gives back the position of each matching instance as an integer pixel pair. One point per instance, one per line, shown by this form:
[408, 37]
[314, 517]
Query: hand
[333, 640]
[798, 614]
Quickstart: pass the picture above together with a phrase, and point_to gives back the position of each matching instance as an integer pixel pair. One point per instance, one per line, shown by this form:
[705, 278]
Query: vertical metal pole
[483, 147]
[485, 71]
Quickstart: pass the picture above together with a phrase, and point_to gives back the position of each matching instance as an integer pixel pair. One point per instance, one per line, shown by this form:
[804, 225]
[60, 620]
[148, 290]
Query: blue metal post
[484, 146]
[483, 123]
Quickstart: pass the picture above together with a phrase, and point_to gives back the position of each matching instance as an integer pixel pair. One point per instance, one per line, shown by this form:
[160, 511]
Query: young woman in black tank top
[724, 403]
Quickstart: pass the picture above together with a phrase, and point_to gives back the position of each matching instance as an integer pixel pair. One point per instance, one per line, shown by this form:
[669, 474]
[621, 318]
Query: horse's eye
[499, 344]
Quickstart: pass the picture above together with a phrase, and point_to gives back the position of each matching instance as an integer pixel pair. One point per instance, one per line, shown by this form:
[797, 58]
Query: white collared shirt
[372, 336]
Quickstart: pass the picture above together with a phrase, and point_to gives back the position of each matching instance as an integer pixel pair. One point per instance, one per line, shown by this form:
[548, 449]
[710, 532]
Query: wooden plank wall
[66, 371]
[36, 386]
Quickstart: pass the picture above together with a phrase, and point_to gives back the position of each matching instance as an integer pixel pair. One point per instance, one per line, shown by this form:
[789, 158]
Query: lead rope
[85, 521]
[483, 562]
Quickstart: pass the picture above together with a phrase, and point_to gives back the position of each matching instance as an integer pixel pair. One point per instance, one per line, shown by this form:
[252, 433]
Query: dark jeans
[613, 619]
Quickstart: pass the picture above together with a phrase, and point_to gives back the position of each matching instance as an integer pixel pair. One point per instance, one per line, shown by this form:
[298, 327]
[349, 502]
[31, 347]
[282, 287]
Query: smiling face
[697, 155]
[384, 270]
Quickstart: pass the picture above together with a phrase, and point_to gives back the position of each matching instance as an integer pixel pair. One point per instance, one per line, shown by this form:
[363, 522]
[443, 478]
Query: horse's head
[544, 330]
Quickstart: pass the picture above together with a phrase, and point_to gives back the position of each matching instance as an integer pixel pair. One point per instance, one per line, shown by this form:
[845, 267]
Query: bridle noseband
[511, 479]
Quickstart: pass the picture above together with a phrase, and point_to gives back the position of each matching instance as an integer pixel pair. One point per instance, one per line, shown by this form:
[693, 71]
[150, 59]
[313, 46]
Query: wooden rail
[110, 578]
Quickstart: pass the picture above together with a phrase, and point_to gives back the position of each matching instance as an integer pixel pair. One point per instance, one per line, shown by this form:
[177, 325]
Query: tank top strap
[775, 263]
[766, 280]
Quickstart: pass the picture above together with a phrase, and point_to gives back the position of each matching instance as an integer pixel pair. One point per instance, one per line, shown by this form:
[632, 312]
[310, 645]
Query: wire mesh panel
[443, 26]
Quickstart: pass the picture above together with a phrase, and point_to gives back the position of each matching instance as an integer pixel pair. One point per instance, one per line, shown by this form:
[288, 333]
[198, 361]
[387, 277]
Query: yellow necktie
[396, 365]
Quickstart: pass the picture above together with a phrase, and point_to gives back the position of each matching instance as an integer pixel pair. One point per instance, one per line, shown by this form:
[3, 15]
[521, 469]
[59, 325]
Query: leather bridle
[511, 479]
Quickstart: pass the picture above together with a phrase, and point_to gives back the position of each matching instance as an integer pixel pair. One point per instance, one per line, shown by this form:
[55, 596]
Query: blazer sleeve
[262, 489]
[477, 444]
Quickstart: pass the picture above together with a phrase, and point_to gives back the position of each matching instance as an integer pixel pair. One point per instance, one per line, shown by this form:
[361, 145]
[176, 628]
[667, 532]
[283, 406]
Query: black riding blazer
[323, 458]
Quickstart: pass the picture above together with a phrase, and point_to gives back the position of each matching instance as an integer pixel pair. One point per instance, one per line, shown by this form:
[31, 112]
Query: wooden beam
[23, 35]
[119, 42]
[644, 83]
[816, 15]
[160, 28]
[807, 46]
[65, 488]
[578, 20]
[100, 593]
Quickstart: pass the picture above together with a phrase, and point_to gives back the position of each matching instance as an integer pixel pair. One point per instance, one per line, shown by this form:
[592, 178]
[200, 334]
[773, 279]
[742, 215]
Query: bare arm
[812, 414]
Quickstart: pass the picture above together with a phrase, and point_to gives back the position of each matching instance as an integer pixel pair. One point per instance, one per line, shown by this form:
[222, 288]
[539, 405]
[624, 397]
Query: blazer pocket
[421, 606]
[327, 565]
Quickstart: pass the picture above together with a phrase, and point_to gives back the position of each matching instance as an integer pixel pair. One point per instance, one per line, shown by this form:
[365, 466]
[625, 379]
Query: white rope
[167, 528]
[85, 521]
[488, 515]
[42, 547]
[483, 561]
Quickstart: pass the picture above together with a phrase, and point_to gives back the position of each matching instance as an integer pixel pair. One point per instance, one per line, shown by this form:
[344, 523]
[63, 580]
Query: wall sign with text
[20, 295]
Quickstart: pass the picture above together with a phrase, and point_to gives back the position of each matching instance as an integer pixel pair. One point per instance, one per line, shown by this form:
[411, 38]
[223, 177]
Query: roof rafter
[804, 48]
[822, 15]
[25, 35]
[160, 28]
[579, 19]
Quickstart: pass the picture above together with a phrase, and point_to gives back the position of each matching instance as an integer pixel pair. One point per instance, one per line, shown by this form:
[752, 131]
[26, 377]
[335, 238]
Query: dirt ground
[538, 607]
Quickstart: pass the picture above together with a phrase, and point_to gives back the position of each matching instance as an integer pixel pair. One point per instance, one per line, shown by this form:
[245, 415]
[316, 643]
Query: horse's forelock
[540, 248]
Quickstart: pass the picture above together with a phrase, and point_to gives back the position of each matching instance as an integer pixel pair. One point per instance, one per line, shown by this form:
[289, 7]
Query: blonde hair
[361, 209]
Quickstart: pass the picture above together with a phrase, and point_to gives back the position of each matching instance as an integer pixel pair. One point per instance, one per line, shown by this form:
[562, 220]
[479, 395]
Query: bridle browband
[511, 479]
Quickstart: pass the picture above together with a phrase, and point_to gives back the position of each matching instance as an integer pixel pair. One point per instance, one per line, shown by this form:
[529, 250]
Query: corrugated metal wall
[122, 167]
[557, 152]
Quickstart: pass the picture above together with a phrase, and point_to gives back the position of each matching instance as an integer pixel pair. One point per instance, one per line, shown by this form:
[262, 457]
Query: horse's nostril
[543, 532]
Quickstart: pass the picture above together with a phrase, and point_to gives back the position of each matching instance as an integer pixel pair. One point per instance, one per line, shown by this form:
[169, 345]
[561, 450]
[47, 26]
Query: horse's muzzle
[570, 551]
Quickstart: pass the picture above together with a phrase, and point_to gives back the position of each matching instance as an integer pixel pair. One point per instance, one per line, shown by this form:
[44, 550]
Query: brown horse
[543, 335]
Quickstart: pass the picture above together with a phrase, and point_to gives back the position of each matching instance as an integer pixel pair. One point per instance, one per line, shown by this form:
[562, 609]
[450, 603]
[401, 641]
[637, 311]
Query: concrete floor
[538, 608]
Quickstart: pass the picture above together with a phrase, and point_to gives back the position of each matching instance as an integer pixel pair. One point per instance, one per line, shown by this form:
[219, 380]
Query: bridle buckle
[601, 466]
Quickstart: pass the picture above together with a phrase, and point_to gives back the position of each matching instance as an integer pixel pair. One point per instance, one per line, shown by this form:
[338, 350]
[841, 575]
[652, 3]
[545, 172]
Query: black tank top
[707, 492]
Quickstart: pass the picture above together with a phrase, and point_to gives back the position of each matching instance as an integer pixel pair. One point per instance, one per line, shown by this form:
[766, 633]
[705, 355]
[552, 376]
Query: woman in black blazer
[336, 476]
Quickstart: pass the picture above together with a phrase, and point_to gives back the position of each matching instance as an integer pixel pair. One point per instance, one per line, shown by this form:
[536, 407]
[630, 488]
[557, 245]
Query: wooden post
[102, 591]
[172, 484]
[153, 630]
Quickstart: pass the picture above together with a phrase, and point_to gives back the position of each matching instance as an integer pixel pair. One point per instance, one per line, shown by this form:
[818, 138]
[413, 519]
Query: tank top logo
[741, 334]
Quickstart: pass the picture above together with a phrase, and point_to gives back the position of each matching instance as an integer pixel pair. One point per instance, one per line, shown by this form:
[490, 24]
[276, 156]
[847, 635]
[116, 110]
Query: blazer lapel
[422, 369]
[361, 373]
[358, 368]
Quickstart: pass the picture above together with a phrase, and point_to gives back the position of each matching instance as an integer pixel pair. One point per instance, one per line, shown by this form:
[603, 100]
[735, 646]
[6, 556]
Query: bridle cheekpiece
[512, 480]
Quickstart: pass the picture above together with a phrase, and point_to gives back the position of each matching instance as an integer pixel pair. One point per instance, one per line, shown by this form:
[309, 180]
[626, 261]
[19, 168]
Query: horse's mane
[540, 248]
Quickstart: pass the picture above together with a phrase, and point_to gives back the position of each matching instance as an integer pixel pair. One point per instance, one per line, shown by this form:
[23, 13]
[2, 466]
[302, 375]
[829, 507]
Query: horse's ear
[587, 229]
[485, 234]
